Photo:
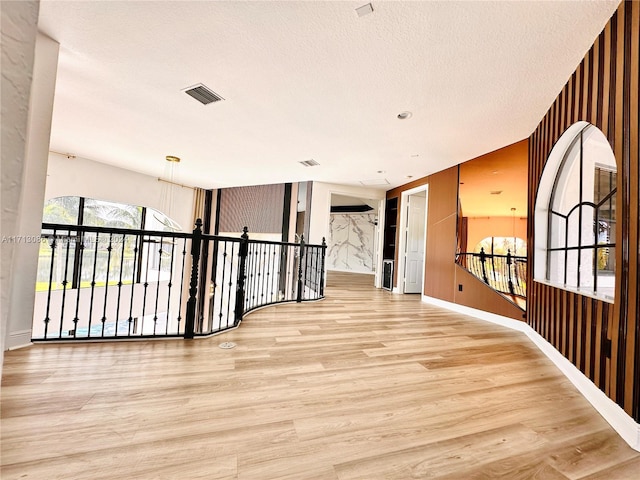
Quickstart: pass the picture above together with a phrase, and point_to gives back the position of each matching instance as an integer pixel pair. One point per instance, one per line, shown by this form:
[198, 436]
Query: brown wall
[441, 273]
[477, 294]
[442, 218]
[603, 91]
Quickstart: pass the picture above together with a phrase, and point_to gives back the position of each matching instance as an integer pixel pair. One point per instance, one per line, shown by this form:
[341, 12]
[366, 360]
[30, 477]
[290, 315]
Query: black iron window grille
[582, 221]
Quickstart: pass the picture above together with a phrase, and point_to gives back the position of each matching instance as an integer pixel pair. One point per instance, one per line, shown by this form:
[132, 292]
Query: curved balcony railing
[505, 273]
[99, 283]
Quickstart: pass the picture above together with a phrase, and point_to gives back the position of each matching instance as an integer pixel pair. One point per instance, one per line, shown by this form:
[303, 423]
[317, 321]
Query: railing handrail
[138, 283]
[157, 233]
[507, 278]
[495, 255]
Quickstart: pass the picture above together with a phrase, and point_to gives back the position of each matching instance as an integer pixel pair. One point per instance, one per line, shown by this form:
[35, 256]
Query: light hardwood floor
[363, 385]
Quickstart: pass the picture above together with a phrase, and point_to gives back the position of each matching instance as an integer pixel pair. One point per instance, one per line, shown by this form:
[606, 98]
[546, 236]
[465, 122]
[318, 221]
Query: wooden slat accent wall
[603, 91]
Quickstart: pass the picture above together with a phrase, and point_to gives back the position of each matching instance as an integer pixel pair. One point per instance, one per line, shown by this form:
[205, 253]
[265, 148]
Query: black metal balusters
[242, 265]
[190, 317]
[134, 275]
[121, 273]
[65, 282]
[47, 318]
[300, 260]
[483, 259]
[93, 282]
[246, 274]
[504, 273]
[322, 254]
[169, 285]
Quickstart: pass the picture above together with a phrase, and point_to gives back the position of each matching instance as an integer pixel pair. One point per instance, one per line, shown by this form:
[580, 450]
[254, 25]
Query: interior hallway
[363, 385]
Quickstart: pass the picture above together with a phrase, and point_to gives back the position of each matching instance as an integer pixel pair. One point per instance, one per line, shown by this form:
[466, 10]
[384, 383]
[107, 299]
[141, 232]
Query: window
[578, 187]
[83, 259]
[502, 245]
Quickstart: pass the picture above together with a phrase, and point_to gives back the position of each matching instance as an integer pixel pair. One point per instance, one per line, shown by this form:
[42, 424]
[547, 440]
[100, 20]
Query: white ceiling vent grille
[203, 94]
[374, 181]
[309, 163]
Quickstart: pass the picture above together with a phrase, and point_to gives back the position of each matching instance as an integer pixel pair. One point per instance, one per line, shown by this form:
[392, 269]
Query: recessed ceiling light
[409, 176]
[404, 115]
[380, 171]
[415, 155]
[496, 192]
[364, 10]
[173, 159]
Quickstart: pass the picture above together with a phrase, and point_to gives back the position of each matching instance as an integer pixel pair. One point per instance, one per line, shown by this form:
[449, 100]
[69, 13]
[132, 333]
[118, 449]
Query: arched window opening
[577, 200]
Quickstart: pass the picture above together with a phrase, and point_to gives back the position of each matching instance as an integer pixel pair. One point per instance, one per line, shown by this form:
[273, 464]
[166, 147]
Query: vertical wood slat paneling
[620, 333]
[603, 91]
[635, 161]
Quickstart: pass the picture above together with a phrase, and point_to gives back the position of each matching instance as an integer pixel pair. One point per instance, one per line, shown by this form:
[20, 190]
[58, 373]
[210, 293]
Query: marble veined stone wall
[351, 242]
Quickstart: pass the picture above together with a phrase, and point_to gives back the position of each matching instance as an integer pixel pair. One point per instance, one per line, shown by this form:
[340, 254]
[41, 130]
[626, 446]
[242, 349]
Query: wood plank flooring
[363, 385]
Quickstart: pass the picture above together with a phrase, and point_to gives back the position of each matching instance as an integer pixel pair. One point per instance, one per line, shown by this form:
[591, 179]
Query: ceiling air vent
[309, 163]
[203, 94]
[374, 182]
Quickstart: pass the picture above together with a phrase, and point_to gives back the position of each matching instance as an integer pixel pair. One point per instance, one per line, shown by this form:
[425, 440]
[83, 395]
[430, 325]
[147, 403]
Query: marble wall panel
[352, 242]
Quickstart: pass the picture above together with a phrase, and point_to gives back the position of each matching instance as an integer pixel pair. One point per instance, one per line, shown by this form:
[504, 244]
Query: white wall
[25, 255]
[19, 29]
[87, 178]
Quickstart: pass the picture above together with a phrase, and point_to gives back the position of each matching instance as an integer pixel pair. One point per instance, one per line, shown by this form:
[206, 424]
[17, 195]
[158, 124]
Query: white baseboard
[619, 420]
[19, 339]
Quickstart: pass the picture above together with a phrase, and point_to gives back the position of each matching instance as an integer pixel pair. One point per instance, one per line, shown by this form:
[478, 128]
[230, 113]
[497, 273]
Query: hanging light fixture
[513, 215]
[168, 192]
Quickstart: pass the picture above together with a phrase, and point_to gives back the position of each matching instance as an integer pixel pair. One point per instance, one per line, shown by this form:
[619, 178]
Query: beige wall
[479, 228]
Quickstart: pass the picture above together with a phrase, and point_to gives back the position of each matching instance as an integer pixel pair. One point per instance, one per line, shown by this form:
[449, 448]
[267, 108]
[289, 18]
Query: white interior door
[414, 244]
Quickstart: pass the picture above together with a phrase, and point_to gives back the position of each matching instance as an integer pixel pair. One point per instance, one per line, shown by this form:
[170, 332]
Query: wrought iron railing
[505, 273]
[99, 283]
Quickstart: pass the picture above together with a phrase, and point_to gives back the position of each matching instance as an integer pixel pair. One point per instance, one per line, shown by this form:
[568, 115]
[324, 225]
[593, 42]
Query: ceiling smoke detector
[203, 94]
[309, 163]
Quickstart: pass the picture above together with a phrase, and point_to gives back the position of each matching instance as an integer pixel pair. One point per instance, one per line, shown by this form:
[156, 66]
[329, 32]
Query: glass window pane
[573, 230]
[556, 267]
[586, 269]
[567, 190]
[557, 232]
[62, 210]
[588, 225]
[159, 222]
[572, 268]
[606, 276]
[98, 213]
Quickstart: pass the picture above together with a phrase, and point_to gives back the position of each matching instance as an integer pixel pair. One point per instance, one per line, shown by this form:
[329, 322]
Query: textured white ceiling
[308, 80]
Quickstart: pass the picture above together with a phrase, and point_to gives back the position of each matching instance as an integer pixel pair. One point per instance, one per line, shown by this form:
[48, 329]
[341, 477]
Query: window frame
[145, 242]
[557, 223]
